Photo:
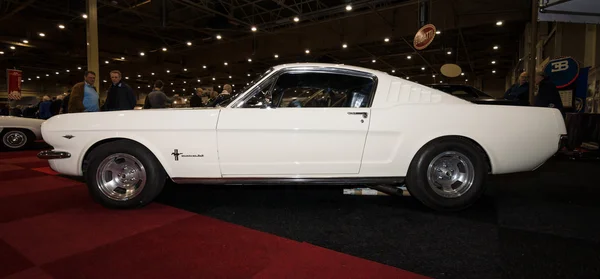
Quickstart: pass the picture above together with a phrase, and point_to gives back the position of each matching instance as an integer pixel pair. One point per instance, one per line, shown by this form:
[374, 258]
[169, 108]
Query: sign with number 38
[562, 71]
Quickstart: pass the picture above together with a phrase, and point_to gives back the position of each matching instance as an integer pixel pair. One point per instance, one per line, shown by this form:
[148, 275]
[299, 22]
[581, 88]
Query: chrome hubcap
[451, 174]
[14, 139]
[121, 177]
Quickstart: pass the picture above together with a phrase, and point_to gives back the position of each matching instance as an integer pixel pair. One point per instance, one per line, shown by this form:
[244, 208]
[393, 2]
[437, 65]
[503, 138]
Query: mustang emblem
[176, 154]
[68, 136]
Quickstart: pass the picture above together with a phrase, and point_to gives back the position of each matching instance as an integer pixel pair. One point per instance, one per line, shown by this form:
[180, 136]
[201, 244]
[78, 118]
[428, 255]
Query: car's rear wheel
[16, 139]
[123, 174]
[448, 174]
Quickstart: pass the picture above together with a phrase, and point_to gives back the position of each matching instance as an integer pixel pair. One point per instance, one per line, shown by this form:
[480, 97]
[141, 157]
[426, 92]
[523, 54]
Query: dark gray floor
[544, 224]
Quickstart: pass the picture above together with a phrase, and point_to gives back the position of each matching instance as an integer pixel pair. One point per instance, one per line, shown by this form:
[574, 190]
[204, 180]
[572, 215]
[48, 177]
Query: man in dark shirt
[520, 90]
[120, 96]
[548, 95]
[196, 100]
[157, 98]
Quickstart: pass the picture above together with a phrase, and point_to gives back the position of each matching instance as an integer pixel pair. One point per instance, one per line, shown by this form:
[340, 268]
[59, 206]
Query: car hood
[128, 120]
[13, 121]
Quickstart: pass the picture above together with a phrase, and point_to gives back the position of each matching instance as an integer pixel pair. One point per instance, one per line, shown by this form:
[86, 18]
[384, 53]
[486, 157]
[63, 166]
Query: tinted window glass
[321, 90]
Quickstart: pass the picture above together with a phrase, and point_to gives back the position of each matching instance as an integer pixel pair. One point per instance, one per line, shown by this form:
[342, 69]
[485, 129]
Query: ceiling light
[408, 57]
[168, 71]
[164, 49]
[296, 19]
[496, 47]
[47, 75]
[189, 43]
[29, 79]
[393, 71]
[449, 52]
[1, 52]
[225, 64]
[103, 80]
[276, 56]
[61, 26]
[386, 40]
[433, 75]
[214, 79]
[38, 77]
[142, 54]
[148, 85]
[68, 71]
[25, 41]
[152, 73]
[204, 66]
[494, 71]
[106, 61]
[249, 59]
[138, 87]
[253, 29]
[42, 35]
[462, 74]
[493, 62]
[229, 76]
[373, 60]
[219, 37]
[466, 79]
[57, 73]
[12, 47]
[349, 8]
[184, 82]
[126, 77]
[499, 23]
[198, 80]
[344, 45]
[407, 77]
[122, 58]
[248, 74]
[307, 51]
[84, 15]
[185, 70]
[78, 68]
[423, 68]
[171, 83]
[139, 75]
[184, 99]
[438, 32]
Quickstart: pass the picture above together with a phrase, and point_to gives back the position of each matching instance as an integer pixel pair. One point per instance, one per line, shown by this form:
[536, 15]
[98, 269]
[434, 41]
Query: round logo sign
[424, 36]
[562, 71]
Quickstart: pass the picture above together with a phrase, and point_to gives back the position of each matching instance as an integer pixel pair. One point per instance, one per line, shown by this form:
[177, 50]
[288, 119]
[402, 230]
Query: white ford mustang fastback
[307, 123]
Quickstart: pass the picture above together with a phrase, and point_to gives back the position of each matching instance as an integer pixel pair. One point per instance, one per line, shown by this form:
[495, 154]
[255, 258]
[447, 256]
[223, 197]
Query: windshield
[250, 84]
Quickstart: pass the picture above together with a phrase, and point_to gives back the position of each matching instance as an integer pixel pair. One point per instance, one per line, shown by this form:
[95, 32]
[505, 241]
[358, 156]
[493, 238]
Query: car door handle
[364, 114]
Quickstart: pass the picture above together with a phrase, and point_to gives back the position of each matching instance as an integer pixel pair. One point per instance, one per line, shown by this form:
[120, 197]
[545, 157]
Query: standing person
[120, 95]
[45, 108]
[65, 106]
[56, 105]
[84, 97]
[520, 90]
[548, 95]
[196, 100]
[157, 98]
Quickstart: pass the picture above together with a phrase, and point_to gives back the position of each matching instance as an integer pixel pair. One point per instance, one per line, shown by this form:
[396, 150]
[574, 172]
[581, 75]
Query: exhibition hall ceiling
[232, 41]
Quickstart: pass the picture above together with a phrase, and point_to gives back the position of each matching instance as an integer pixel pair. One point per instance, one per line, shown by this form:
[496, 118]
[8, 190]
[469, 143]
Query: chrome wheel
[121, 177]
[14, 139]
[450, 174]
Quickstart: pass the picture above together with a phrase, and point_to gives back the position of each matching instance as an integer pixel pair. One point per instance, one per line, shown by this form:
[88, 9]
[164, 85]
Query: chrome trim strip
[52, 154]
[265, 181]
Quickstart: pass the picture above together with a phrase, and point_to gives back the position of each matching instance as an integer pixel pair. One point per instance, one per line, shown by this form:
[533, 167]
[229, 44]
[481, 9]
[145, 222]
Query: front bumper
[52, 154]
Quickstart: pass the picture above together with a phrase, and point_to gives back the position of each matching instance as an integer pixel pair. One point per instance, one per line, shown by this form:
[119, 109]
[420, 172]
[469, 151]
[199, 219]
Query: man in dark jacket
[520, 90]
[196, 100]
[120, 96]
[548, 95]
[157, 98]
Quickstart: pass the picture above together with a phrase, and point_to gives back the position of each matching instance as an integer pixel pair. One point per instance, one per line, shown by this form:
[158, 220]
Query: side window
[317, 90]
[259, 97]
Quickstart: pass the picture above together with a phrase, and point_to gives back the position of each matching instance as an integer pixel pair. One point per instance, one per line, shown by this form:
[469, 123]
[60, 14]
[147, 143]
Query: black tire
[419, 186]
[155, 176]
[26, 136]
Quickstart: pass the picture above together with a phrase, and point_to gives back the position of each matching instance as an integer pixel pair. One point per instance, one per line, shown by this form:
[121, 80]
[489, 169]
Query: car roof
[329, 65]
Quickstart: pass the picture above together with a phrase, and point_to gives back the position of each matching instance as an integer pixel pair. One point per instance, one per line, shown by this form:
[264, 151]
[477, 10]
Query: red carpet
[50, 229]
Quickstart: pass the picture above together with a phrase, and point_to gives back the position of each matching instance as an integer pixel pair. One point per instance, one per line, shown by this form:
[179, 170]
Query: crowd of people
[84, 97]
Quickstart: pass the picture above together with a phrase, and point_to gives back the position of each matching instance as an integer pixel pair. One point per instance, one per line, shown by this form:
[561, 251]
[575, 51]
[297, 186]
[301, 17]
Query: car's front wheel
[448, 174]
[16, 139]
[123, 174]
